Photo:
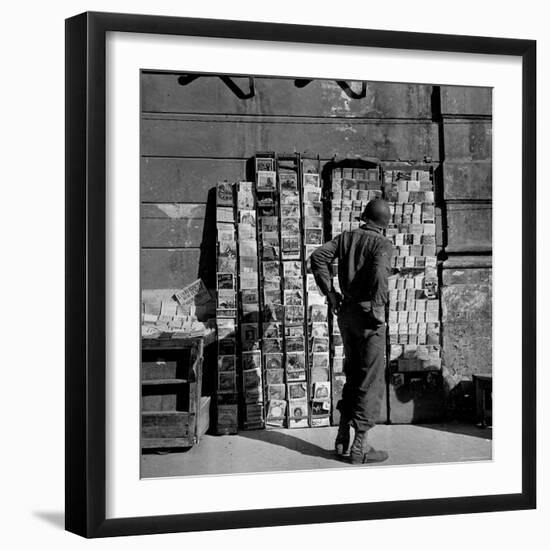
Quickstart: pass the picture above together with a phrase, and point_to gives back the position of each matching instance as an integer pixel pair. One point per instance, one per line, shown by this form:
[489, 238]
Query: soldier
[364, 257]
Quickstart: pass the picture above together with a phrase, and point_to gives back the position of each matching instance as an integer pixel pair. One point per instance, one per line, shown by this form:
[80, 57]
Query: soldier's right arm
[321, 260]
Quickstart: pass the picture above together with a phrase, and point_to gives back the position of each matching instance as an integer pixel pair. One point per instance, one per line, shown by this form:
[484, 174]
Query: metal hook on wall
[349, 92]
[236, 90]
[184, 80]
[303, 82]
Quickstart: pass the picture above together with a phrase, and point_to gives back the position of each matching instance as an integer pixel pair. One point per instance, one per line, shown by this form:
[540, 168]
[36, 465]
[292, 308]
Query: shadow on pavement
[290, 442]
[461, 429]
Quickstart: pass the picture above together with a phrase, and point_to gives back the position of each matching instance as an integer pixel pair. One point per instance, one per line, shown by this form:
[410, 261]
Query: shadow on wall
[207, 272]
[207, 258]
[430, 397]
[460, 403]
[416, 397]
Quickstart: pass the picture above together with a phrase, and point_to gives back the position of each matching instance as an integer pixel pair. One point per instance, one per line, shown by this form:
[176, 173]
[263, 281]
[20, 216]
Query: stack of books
[249, 308]
[317, 310]
[295, 344]
[227, 420]
[413, 317]
[294, 339]
[271, 300]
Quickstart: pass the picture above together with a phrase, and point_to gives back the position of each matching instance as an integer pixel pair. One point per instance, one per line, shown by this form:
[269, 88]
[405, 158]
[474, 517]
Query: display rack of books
[293, 280]
[351, 189]
[226, 311]
[413, 312]
[280, 351]
[317, 349]
[249, 309]
[270, 296]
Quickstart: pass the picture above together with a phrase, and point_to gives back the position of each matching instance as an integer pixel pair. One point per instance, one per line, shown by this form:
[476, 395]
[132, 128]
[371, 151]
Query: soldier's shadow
[284, 439]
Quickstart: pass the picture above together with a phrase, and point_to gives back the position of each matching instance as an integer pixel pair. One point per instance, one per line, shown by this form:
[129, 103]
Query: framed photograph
[157, 114]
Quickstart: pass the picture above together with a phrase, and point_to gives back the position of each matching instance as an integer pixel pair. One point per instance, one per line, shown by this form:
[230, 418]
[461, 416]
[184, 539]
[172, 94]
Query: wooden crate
[171, 383]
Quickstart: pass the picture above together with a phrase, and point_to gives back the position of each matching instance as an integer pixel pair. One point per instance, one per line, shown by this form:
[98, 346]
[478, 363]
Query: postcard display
[249, 309]
[290, 218]
[317, 348]
[280, 352]
[273, 345]
[413, 316]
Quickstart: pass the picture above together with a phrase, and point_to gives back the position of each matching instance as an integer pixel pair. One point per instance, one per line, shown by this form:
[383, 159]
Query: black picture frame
[86, 262]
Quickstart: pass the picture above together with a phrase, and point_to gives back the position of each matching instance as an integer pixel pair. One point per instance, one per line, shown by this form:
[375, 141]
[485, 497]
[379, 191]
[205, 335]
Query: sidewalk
[312, 448]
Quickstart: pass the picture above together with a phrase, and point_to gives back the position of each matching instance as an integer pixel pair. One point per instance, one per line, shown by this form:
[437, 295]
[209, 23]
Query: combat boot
[362, 453]
[341, 445]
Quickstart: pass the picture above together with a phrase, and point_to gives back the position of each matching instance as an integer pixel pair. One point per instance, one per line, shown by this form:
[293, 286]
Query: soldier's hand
[335, 301]
[378, 314]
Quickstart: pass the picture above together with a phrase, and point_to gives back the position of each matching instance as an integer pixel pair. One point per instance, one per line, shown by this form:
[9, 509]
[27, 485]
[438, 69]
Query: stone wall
[466, 274]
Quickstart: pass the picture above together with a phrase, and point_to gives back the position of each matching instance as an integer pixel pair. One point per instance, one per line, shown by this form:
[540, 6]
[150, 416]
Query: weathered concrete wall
[466, 300]
[197, 132]
[466, 314]
[466, 275]
[468, 227]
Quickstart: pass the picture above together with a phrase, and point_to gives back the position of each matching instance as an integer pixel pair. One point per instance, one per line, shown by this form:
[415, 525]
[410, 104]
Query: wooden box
[171, 404]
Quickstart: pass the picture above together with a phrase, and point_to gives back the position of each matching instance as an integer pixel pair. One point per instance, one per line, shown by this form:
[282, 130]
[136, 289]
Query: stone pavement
[312, 448]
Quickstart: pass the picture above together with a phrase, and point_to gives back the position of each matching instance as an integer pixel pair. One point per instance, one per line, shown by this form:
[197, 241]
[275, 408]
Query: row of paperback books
[271, 295]
[227, 398]
[240, 380]
[296, 341]
[281, 242]
[318, 342]
[273, 349]
[249, 308]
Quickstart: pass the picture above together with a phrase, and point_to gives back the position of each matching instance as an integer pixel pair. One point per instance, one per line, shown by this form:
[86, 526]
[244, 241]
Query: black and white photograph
[377, 240]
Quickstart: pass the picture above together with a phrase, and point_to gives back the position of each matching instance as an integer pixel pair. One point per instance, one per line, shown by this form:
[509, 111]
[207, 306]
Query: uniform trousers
[364, 342]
